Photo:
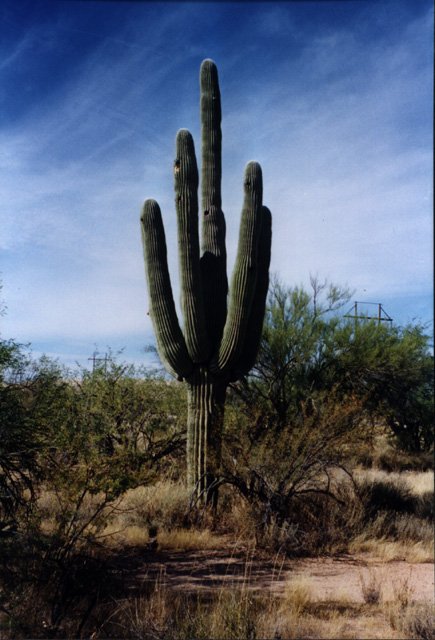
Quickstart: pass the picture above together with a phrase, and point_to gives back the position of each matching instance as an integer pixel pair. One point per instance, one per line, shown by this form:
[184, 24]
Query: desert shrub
[312, 525]
[74, 447]
[50, 593]
[308, 348]
[235, 515]
[32, 393]
[300, 494]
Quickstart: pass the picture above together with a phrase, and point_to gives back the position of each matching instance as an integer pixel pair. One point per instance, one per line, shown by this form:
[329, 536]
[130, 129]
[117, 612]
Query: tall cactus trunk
[206, 401]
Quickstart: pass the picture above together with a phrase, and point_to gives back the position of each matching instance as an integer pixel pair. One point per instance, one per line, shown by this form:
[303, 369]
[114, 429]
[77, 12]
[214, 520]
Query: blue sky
[334, 99]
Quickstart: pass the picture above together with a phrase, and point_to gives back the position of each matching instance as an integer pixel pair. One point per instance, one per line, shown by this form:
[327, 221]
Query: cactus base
[206, 401]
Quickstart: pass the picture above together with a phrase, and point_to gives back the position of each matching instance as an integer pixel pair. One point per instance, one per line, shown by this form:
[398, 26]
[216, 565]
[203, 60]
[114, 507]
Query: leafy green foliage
[321, 387]
[120, 426]
[30, 393]
[74, 444]
[308, 349]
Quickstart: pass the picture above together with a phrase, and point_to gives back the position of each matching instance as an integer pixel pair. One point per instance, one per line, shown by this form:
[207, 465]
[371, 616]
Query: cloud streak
[338, 115]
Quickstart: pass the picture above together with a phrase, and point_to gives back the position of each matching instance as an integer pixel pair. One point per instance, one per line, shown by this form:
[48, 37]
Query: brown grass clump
[371, 587]
[419, 622]
[297, 595]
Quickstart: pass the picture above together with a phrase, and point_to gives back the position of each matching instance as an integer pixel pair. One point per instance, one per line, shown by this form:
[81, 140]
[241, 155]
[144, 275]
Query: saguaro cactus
[217, 345]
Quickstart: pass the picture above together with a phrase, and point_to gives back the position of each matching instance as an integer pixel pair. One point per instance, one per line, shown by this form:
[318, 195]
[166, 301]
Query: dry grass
[388, 550]
[372, 585]
[188, 539]
[385, 534]
[419, 622]
[402, 592]
[297, 595]
[239, 614]
[233, 614]
[419, 482]
[163, 504]
[413, 620]
[175, 540]
[422, 482]
[115, 535]
[398, 518]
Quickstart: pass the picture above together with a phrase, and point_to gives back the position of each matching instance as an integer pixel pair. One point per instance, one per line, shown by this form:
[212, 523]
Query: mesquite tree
[219, 341]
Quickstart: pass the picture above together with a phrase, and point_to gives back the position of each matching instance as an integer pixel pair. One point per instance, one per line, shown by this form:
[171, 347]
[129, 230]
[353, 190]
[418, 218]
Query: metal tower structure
[355, 313]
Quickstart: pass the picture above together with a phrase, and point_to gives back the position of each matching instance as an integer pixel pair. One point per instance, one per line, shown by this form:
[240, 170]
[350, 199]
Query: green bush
[79, 441]
[309, 348]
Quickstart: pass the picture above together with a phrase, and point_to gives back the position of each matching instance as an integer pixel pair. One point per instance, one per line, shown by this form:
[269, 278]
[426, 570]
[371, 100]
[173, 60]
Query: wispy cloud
[338, 117]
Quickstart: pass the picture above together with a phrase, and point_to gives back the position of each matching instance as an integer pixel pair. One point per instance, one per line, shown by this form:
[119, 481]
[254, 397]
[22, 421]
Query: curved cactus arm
[186, 203]
[255, 324]
[214, 257]
[170, 342]
[245, 273]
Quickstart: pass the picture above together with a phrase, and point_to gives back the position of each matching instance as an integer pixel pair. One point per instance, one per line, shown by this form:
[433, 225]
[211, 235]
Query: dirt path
[328, 579]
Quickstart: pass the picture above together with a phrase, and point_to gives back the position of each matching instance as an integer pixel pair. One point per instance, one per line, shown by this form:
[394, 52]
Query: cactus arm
[211, 136]
[214, 257]
[186, 203]
[170, 341]
[255, 323]
[244, 274]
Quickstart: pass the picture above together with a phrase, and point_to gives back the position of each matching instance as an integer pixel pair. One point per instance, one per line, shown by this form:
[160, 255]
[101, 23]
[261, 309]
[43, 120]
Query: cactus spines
[216, 345]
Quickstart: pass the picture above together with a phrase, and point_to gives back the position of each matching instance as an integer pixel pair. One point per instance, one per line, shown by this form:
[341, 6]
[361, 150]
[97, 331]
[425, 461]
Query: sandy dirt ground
[328, 579]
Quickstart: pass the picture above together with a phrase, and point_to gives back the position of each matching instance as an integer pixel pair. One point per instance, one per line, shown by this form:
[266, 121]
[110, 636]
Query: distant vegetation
[315, 444]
